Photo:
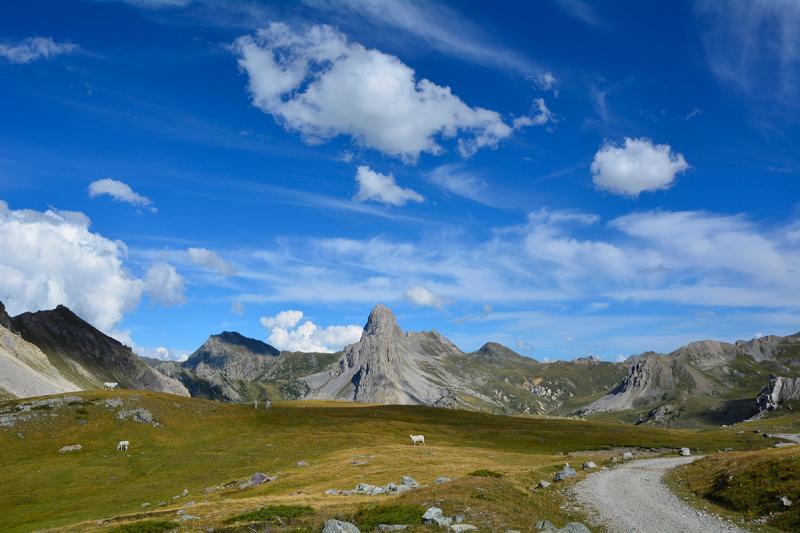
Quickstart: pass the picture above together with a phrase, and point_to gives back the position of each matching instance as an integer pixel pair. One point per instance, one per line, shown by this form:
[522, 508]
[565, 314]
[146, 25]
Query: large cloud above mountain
[320, 84]
[52, 257]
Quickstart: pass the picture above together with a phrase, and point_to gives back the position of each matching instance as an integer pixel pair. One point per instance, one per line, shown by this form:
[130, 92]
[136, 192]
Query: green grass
[146, 526]
[273, 513]
[370, 517]
[483, 472]
[748, 484]
[201, 444]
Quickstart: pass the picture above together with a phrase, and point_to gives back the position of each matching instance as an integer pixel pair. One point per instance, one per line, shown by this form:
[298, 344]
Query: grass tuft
[485, 473]
[146, 526]
[273, 513]
[368, 518]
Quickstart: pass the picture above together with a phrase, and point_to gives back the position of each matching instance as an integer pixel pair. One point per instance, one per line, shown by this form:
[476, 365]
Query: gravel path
[631, 498]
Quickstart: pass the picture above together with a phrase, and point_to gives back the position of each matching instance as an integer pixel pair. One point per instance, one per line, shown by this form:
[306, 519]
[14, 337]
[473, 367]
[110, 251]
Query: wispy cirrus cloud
[34, 49]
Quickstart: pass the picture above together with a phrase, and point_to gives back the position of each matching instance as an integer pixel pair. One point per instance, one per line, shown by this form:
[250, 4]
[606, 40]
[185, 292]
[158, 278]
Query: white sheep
[110, 385]
[123, 446]
[417, 438]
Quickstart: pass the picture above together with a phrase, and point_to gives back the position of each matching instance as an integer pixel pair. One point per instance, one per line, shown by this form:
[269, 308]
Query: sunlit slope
[196, 444]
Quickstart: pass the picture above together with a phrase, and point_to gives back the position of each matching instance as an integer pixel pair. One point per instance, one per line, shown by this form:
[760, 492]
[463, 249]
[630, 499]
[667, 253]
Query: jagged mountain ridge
[710, 380]
[56, 351]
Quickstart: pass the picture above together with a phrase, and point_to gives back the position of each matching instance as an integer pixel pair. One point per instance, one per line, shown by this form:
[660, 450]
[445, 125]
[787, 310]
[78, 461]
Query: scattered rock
[614, 460]
[70, 448]
[786, 501]
[544, 484]
[409, 482]
[114, 403]
[566, 472]
[142, 416]
[627, 456]
[302, 463]
[686, 452]
[186, 517]
[146, 504]
[441, 480]
[460, 528]
[545, 525]
[338, 526]
[359, 463]
[161, 504]
[391, 527]
[256, 479]
[589, 465]
[459, 518]
[434, 515]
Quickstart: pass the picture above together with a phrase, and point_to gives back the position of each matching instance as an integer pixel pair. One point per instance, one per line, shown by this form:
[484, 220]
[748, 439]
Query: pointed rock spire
[381, 321]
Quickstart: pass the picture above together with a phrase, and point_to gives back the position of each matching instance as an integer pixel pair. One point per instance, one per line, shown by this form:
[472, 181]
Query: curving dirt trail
[633, 498]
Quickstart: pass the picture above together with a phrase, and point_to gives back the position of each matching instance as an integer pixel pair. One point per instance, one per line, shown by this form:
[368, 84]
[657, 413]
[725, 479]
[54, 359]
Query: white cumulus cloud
[119, 191]
[35, 48]
[51, 258]
[286, 334]
[285, 319]
[164, 285]
[419, 295]
[636, 166]
[206, 258]
[382, 188]
[318, 83]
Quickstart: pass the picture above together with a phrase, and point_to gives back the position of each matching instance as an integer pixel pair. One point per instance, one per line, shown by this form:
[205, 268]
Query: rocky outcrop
[87, 357]
[390, 366]
[776, 394]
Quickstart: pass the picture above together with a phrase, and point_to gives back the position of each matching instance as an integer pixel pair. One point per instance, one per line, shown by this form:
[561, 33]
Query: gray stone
[391, 527]
[441, 480]
[302, 463]
[566, 472]
[409, 482]
[257, 479]
[186, 517]
[627, 456]
[338, 526]
[365, 488]
[403, 488]
[70, 448]
[589, 465]
[459, 518]
[686, 452]
[545, 525]
[142, 416]
[435, 516]
[786, 501]
[114, 403]
[460, 528]
[544, 484]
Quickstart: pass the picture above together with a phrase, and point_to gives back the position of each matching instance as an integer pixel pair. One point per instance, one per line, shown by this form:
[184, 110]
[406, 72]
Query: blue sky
[562, 177]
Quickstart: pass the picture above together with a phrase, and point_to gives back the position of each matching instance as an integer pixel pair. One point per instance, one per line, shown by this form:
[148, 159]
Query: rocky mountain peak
[5, 320]
[237, 339]
[382, 322]
[496, 352]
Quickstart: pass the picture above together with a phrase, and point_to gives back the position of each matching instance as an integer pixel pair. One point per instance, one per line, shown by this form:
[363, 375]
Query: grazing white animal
[123, 446]
[108, 385]
[417, 438]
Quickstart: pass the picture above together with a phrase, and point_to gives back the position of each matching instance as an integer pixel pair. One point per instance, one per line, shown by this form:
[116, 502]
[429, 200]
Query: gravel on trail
[632, 498]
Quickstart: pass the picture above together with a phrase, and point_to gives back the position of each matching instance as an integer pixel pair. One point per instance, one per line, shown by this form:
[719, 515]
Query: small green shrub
[146, 526]
[273, 513]
[368, 518]
[485, 473]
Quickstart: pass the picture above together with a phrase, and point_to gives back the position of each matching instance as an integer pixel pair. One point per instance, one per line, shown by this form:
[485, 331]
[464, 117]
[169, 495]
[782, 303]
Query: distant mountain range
[705, 382]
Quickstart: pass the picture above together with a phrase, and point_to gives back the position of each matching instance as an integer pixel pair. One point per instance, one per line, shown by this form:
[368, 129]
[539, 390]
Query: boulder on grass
[338, 526]
[565, 473]
[686, 452]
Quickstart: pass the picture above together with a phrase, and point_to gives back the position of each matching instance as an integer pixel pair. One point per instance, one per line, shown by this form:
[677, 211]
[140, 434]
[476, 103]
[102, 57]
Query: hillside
[54, 351]
[209, 448]
[706, 382]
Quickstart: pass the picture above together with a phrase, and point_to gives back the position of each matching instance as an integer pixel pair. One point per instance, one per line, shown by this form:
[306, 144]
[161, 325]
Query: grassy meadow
[208, 448]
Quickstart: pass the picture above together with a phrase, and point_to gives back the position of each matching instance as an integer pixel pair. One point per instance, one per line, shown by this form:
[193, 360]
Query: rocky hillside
[54, 351]
[703, 382]
[779, 394]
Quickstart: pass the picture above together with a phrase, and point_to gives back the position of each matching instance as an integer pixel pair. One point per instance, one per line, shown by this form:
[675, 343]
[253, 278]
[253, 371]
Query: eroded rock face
[390, 366]
[778, 391]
